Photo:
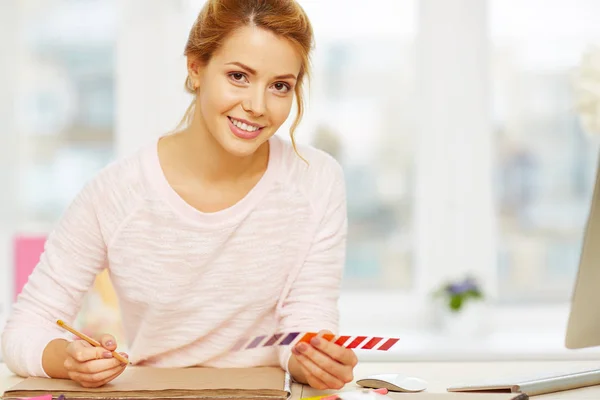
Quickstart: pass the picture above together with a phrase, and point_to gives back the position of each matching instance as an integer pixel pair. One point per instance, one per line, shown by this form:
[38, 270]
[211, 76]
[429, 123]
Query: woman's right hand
[93, 366]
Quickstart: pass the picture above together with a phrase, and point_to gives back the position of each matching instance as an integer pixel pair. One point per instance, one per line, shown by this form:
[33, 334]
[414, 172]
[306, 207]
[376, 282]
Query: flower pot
[468, 322]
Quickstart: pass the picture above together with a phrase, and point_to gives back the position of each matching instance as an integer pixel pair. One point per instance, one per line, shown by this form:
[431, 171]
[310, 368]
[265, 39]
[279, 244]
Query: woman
[217, 232]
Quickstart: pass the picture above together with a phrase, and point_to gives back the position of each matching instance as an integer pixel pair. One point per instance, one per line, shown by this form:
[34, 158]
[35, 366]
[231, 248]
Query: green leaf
[456, 302]
[474, 294]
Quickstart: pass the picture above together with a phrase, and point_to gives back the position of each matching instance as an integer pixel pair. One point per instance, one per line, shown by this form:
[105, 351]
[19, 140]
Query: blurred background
[459, 124]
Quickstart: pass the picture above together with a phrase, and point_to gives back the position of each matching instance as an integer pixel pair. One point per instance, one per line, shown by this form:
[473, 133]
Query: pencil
[90, 340]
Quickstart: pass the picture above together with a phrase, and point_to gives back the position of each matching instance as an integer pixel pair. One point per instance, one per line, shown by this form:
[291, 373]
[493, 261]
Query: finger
[316, 370]
[339, 371]
[311, 379]
[81, 352]
[316, 382]
[98, 379]
[119, 371]
[337, 352]
[108, 341]
[94, 365]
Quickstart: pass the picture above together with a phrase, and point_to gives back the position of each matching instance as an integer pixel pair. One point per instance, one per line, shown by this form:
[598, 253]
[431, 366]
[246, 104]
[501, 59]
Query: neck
[204, 157]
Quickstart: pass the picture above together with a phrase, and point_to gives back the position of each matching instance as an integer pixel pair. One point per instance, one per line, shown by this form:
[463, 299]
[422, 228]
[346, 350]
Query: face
[246, 90]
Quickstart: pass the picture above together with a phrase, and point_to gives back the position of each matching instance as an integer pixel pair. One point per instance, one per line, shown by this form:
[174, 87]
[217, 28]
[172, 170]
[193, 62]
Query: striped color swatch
[289, 339]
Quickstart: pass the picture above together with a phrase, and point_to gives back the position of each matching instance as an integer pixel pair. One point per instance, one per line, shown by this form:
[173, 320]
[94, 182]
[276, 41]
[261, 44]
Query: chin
[241, 147]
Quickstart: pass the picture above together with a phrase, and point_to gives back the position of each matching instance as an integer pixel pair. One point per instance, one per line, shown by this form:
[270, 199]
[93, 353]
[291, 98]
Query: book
[149, 383]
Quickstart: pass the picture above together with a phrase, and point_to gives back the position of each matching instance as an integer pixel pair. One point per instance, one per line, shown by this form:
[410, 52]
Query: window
[63, 127]
[545, 162]
[361, 112]
[65, 114]
[457, 130]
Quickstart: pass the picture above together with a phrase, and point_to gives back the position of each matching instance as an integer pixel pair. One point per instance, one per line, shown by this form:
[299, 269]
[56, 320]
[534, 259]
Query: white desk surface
[440, 375]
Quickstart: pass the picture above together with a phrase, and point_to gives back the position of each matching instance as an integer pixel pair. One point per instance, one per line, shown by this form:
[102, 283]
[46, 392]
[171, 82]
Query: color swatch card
[292, 338]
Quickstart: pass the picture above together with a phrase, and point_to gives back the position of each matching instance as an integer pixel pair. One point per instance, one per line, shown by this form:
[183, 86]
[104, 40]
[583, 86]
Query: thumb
[327, 334]
[108, 342]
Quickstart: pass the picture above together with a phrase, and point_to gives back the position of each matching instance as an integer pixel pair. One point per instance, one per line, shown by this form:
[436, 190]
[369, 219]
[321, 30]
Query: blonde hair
[219, 18]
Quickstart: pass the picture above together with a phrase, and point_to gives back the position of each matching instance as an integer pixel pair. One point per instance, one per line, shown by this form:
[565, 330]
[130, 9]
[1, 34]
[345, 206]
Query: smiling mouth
[244, 126]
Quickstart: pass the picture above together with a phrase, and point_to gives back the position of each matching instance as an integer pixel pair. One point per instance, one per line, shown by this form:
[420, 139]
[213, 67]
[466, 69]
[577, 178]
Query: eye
[281, 87]
[238, 77]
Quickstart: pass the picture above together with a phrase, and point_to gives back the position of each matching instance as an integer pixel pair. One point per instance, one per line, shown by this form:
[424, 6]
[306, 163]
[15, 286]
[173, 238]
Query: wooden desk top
[440, 375]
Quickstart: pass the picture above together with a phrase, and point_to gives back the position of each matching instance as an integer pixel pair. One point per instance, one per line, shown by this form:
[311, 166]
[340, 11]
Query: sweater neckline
[226, 216]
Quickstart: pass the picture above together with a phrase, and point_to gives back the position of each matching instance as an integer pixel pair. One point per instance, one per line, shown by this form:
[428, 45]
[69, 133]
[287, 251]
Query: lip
[242, 134]
[246, 122]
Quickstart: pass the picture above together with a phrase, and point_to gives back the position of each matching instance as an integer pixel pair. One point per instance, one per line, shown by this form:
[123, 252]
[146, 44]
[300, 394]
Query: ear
[195, 69]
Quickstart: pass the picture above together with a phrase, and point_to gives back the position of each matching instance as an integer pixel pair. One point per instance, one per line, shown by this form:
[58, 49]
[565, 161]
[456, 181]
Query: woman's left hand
[325, 365]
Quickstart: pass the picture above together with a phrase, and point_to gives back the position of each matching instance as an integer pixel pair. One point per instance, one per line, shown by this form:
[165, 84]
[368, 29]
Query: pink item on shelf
[28, 249]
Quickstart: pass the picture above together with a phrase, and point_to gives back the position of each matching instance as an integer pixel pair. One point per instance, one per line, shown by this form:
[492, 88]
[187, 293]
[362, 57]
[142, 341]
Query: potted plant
[460, 306]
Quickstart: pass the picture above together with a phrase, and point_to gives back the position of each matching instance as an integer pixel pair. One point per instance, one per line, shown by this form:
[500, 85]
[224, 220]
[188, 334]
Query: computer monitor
[583, 327]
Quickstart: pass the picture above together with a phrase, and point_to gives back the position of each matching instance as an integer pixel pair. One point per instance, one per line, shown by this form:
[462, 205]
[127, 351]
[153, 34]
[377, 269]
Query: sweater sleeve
[74, 253]
[311, 304]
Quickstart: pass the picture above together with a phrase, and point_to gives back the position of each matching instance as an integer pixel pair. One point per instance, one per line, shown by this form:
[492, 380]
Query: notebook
[147, 383]
[535, 385]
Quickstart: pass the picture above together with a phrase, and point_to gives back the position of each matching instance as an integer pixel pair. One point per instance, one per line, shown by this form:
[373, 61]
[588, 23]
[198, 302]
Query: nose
[255, 102]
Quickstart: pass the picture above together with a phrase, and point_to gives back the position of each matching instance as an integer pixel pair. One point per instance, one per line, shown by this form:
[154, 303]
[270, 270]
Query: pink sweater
[191, 284]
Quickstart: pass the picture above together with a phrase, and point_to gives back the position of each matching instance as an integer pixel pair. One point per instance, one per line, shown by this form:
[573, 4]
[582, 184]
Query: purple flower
[463, 287]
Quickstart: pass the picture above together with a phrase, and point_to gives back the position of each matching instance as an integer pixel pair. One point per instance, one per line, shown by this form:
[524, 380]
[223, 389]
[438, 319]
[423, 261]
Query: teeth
[243, 126]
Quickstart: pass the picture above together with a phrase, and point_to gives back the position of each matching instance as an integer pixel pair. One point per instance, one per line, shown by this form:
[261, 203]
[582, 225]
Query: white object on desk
[535, 386]
[393, 382]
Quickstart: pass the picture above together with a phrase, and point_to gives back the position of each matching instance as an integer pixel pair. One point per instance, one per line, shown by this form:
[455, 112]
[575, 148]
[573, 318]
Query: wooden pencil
[88, 339]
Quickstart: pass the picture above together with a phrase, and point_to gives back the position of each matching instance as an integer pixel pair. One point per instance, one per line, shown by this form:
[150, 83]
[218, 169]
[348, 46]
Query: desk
[443, 374]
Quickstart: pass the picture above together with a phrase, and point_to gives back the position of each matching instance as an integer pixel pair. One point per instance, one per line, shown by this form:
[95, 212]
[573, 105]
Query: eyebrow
[253, 71]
